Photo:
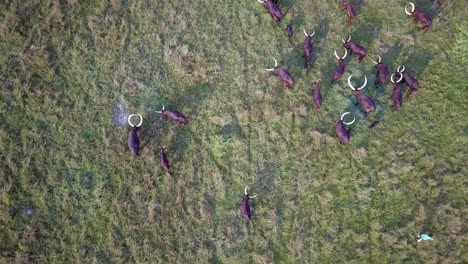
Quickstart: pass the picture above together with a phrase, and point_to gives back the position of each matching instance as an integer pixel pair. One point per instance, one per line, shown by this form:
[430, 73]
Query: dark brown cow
[289, 29]
[273, 9]
[365, 101]
[419, 16]
[349, 10]
[245, 207]
[133, 140]
[382, 72]
[163, 159]
[308, 49]
[341, 132]
[174, 115]
[359, 50]
[317, 95]
[412, 83]
[284, 75]
[341, 66]
[396, 95]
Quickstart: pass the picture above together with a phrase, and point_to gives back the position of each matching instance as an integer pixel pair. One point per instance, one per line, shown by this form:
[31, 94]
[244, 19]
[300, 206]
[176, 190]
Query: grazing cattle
[341, 66]
[133, 140]
[273, 9]
[317, 95]
[349, 10]
[409, 79]
[245, 207]
[359, 50]
[382, 72]
[284, 75]
[396, 95]
[308, 49]
[341, 132]
[419, 16]
[365, 101]
[289, 29]
[163, 159]
[174, 115]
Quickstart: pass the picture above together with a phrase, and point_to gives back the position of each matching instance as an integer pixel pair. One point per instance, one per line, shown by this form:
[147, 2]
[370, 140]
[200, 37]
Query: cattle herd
[287, 79]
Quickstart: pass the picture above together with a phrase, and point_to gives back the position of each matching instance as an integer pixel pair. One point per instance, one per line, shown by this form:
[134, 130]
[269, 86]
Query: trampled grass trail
[70, 190]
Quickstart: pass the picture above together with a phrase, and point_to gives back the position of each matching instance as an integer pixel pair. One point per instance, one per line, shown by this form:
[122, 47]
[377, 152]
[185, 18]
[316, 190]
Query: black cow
[133, 140]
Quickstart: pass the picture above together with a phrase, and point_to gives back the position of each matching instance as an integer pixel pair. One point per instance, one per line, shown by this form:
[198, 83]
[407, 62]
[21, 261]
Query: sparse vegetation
[71, 192]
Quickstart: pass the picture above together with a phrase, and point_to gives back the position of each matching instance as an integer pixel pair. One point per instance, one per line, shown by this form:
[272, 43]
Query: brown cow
[284, 75]
[341, 66]
[245, 207]
[412, 83]
[273, 9]
[419, 16]
[365, 101]
[308, 49]
[359, 50]
[396, 95]
[382, 72]
[349, 10]
[174, 115]
[133, 140]
[341, 132]
[317, 95]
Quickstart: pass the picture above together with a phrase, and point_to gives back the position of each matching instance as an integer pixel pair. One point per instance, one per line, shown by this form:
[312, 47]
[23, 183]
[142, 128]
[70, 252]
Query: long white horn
[141, 121]
[350, 84]
[346, 40]
[313, 33]
[305, 32]
[161, 110]
[345, 54]
[129, 120]
[251, 197]
[245, 190]
[412, 9]
[402, 67]
[347, 123]
[336, 55]
[261, 2]
[393, 80]
[276, 64]
[364, 85]
[380, 59]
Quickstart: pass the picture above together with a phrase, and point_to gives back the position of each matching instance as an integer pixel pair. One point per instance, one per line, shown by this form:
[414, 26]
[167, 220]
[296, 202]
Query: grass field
[71, 192]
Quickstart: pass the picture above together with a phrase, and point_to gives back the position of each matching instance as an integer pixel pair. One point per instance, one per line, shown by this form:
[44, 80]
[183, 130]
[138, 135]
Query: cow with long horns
[308, 49]
[341, 66]
[284, 75]
[349, 10]
[365, 101]
[245, 207]
[273, 9]
[412, 83]
[133, 139]
[396, 95]
[174, 115]
[382, 72]
[359, 50]
[419, 16]
[343, 134]
[317, 95]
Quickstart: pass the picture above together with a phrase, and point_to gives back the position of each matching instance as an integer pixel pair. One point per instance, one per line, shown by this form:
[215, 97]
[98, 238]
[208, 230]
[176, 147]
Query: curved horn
[380, 59]
[342, 39]
[393, 80]
[161, 110]
[345, 53]
[305, 32]
[336, 55]
[347, 123]
[276, 64]
[261, 2]
[128, 119]
[313, 33]
[412, 9]
[141, 120]
[402, 68]
[245, 192]
[350, 84]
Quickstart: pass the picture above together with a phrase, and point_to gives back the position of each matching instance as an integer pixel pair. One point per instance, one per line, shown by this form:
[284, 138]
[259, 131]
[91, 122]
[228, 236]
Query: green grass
[71, 192]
